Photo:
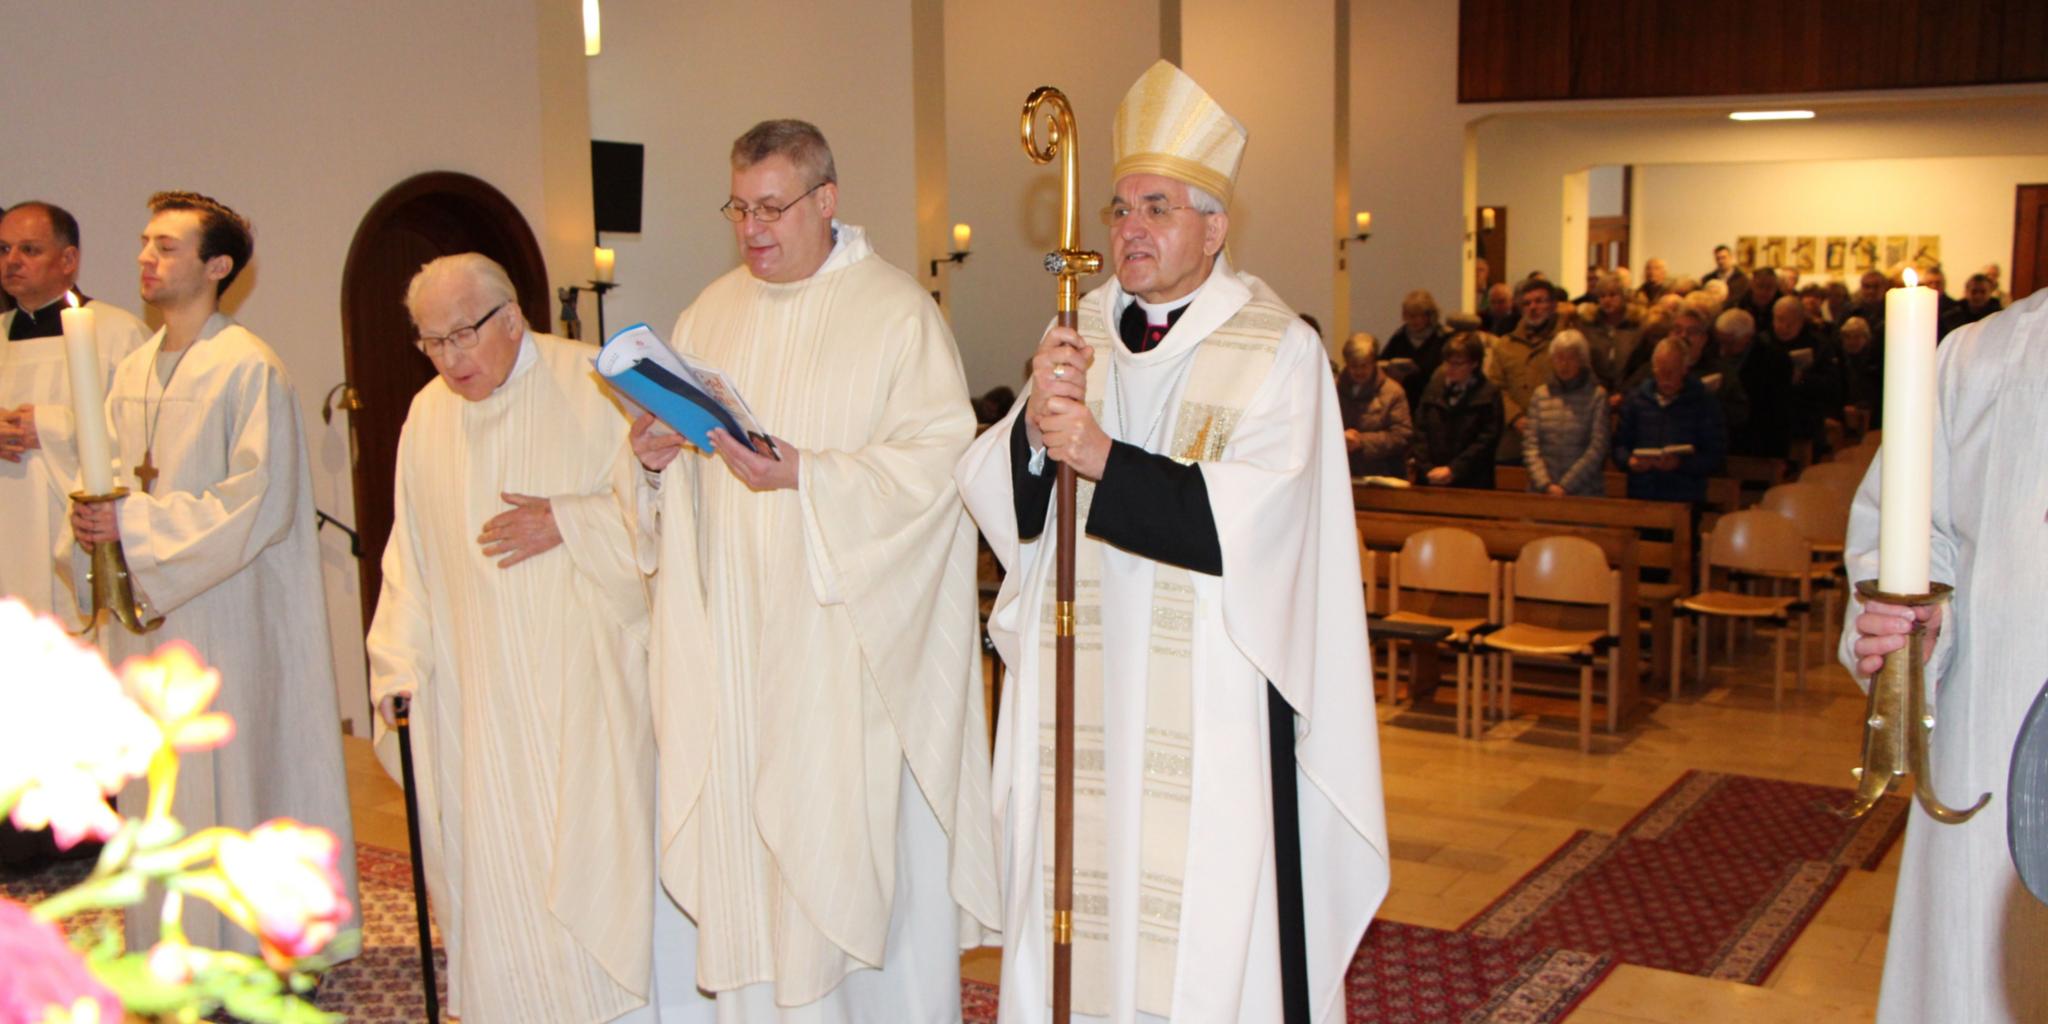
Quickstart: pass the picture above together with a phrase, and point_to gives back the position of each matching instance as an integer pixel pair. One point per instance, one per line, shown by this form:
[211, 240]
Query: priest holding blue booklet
[823, 808]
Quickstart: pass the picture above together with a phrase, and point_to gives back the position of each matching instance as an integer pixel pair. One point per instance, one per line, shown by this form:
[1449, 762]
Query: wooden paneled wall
[1607, 49]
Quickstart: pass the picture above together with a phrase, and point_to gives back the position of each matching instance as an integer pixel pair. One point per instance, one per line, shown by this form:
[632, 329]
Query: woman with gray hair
[1565, 445]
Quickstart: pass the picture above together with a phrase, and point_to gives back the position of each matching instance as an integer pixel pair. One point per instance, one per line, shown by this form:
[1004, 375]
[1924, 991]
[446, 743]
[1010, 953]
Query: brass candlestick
[1899, 724]
[112, 591]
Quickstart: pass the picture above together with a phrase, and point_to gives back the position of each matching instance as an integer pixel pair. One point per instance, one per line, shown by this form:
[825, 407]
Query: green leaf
[139, 990]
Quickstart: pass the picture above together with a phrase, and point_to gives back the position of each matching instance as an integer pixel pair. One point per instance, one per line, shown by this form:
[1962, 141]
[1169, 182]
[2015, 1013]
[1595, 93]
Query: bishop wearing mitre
[1230, 838]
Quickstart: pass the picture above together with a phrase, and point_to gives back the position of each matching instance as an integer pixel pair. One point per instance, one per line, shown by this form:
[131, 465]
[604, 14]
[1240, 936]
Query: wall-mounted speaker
[617, 172]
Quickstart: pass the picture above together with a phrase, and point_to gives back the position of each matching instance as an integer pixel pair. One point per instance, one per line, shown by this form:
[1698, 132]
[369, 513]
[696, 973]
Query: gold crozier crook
[1068, 264]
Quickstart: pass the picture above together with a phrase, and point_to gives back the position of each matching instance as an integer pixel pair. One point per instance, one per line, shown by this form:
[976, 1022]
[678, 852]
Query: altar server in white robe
[219, 533]
[1227, 759]
[514, 615]
[39, 262]
[816, 677]
[1966, 938]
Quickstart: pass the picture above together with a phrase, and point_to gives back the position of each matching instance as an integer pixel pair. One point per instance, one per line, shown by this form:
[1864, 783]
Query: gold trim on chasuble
[1230, 365]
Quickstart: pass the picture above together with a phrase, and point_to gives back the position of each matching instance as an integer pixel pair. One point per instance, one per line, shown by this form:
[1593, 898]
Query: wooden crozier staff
[1068, 264]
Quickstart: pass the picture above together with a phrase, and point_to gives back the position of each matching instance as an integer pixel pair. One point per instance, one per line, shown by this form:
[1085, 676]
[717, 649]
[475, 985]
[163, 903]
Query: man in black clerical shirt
[1214, 519]
[38, 271]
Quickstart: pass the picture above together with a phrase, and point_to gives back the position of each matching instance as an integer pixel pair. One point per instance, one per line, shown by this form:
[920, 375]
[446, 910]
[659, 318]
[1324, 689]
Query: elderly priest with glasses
[514, 614]
[816, 682]
[1227, 763]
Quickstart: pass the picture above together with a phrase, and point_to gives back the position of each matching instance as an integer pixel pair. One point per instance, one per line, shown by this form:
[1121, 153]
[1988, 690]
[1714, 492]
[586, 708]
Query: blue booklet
[689, 396]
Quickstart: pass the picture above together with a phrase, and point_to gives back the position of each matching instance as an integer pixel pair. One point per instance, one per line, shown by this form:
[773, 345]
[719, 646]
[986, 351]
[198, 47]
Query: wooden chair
[1822, 516]
[1841, 476]
[1561, 571]
[1760, 543]
[1446, 563]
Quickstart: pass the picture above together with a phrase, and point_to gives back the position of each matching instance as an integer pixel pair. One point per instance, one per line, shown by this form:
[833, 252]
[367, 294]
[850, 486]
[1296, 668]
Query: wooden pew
[1663, 530]
[1724, 493]
[1504, 539]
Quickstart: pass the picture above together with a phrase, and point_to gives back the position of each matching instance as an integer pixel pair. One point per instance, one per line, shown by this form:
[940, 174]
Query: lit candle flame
[72, 297]
[1912, 278]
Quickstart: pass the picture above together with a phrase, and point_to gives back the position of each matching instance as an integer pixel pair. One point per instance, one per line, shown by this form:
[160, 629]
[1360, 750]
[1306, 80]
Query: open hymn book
[1680, 450]
[691, 397]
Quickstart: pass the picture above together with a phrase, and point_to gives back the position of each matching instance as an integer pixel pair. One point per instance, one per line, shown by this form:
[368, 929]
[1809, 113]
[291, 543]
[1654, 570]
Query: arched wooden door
[423, 217]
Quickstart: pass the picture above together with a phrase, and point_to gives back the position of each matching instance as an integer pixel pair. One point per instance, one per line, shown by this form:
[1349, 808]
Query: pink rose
[287, 878]
[68, 735]
[175, 687]
[41, 977]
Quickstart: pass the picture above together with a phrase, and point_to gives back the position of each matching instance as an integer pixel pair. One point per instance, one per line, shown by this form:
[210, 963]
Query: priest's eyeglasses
[737, 211]
[1154, 214]
[461, 339]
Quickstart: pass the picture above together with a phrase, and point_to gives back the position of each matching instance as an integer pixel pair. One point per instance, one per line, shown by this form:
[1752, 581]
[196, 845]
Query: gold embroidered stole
[1229, 365]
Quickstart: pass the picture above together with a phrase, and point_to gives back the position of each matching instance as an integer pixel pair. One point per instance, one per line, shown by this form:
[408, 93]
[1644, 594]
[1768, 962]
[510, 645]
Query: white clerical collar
[1157, 313]
[1160, 312]
[529, 354]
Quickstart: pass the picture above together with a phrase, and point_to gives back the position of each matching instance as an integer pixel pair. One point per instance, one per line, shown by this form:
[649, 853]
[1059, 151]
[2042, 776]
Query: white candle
[606, 260]
[1906, 468]
[88, 400]
[962, 235]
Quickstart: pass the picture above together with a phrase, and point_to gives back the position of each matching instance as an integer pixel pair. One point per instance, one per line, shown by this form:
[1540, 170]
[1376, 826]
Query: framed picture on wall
[1745, 251]
[1803, 257]
[1837, 258]
[1894, 252]
[1926, 250]
[1771, 252]
[1863, 253]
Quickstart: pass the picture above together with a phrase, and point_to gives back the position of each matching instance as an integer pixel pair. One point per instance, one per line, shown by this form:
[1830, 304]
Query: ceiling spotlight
[1771, 115]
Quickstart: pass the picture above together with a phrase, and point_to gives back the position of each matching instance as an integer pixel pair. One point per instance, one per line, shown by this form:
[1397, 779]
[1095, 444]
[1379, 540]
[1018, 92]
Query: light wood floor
[1468, 819]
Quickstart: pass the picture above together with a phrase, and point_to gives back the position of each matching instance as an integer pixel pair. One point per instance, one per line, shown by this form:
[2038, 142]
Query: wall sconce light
[1486, 220]
[593, 39]
[962, 235]
[606, 261]
[1363, 222]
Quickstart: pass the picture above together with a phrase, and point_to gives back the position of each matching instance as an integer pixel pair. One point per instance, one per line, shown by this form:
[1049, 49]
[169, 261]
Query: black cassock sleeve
[1146, 504]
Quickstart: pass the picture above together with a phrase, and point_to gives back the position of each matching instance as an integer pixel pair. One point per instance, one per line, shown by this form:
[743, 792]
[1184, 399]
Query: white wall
[300, 116]
[1001, 298]
[1407, 158]
[1524, 155]
[1687, 209]
[1283, 224]
[686, 79]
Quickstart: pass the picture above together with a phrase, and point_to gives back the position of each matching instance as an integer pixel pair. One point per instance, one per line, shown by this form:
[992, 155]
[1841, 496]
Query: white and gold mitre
[1167, 125]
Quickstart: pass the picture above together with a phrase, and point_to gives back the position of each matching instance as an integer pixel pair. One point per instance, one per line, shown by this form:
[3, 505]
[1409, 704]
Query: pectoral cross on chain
[145, 474]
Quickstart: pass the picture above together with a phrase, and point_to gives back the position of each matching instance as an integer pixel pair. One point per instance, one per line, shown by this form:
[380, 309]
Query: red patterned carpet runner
[1715, 878]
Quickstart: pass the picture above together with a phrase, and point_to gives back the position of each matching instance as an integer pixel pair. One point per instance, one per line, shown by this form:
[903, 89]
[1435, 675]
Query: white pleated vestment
[35, 562]
[225, 550]
[534, 756]
[810, 645]
[1966, 938]
[1288, 609]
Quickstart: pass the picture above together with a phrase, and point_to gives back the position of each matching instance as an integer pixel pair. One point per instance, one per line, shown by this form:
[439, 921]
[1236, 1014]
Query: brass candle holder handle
[1899, 723]
[112, 591]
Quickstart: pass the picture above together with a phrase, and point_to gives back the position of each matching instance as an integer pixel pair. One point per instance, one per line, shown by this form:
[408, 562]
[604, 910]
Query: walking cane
[401, 716]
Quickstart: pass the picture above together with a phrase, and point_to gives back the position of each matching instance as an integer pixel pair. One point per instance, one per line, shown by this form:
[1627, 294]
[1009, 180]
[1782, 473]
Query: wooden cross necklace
[146, 473]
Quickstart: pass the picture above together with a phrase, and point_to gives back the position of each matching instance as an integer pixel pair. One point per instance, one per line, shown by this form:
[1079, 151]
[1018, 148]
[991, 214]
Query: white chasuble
[1966, 937]
[534, 756]
[224, 549]
[1288, 608]
[812, 643]
[35, 503]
